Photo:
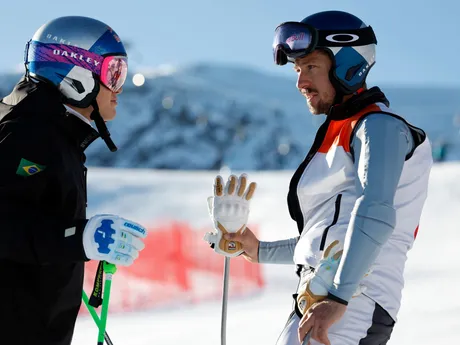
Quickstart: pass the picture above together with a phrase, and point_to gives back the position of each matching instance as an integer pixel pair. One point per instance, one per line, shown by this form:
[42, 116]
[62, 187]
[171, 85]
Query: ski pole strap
[90, 309]
[95, 299]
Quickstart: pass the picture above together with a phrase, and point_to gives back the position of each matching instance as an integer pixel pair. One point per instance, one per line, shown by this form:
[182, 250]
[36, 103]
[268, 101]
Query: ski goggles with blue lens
[294, 40]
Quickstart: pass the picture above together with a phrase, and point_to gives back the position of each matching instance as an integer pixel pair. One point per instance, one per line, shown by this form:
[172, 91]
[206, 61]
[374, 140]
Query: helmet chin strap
[101, 127]
[339, 95]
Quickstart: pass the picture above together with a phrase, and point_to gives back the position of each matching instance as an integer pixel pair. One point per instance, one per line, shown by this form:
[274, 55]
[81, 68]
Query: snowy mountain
[206, 116]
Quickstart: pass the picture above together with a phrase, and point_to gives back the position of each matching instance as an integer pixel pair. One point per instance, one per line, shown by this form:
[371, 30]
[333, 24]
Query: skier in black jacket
[75, 70]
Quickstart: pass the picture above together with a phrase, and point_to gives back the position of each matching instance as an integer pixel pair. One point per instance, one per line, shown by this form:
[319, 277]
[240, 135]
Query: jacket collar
[43, 102]
[357, 103]
[81, 133]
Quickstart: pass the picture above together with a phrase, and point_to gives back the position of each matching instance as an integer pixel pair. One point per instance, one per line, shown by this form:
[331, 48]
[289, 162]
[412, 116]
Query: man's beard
[322, 107]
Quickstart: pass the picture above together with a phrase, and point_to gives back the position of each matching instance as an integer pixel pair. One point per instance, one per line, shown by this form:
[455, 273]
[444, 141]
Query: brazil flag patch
[28, 168]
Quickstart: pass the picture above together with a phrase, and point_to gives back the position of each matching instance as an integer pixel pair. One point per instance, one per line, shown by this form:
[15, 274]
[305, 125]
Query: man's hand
[249, 242]
[316, 286]
[319, 318]
[229, 211]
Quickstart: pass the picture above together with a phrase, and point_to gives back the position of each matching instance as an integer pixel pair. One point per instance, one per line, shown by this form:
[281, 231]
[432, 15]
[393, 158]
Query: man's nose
[303, 82]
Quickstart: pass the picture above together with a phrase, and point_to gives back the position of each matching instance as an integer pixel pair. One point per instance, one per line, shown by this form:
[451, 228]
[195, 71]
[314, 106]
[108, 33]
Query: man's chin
[318, 109]
[313, 110]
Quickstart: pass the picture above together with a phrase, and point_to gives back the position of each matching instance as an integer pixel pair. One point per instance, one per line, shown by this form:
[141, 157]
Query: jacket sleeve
[28, 233]
[381, 144]
[277, 252]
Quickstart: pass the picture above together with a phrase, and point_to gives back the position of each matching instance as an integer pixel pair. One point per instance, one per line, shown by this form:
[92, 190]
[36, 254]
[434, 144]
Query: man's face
[107, 102]
[313, 81]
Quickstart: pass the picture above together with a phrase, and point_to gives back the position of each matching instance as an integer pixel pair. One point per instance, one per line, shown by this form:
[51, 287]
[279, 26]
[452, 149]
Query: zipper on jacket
[85, 170]
[334, 221]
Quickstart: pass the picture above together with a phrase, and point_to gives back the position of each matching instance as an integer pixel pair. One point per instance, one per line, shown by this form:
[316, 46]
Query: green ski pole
[95, 317]
[109, 270]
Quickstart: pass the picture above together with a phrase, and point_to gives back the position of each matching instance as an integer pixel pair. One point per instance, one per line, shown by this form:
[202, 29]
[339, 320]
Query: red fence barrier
[176, 267]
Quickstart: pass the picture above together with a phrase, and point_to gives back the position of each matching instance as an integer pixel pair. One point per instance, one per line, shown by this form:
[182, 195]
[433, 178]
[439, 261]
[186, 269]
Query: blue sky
[418, 44]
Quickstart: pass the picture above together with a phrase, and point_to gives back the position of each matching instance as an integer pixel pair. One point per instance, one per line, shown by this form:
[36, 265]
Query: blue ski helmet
[76, 53]
[349, 42]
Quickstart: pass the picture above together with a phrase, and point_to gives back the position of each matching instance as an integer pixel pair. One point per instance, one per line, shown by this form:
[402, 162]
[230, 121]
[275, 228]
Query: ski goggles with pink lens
[113, 72]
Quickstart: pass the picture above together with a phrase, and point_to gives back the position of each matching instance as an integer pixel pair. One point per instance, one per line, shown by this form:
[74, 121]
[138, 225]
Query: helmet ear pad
[353, 65]
[79, 87]
[350, 66]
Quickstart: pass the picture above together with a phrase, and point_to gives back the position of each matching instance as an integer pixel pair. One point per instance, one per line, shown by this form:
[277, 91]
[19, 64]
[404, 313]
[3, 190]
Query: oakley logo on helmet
[59, 40]
[75, 56]
[342, 38]
[364, 70]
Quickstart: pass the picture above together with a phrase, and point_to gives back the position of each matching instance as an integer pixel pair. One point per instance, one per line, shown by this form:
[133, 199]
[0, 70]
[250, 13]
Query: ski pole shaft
[109, 270]
[223, 328]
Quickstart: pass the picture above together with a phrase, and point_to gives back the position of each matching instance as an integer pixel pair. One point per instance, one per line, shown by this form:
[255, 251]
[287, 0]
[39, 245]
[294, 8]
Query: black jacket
[42, 193]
